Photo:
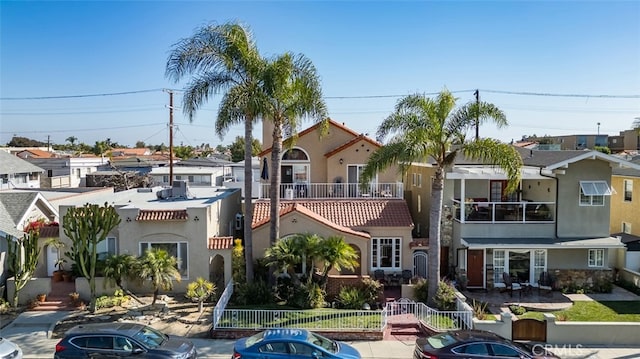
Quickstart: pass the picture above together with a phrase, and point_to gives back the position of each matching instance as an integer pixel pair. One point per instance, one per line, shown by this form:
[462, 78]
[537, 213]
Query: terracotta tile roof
[352, 142]
[220, 243]
[313, 128]
[345, 213]
[36, 154]
[162, 215]
[49, 232]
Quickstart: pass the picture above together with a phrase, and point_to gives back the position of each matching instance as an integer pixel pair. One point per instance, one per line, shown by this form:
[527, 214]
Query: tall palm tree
[292, 92]
[423, 129]
[223, 59]
[157, 266]
[334, 252]
[200, 290]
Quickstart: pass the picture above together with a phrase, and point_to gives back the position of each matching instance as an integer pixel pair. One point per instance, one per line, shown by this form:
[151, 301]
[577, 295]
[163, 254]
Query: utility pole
[170, 137]
[477, 94]
[48, 143]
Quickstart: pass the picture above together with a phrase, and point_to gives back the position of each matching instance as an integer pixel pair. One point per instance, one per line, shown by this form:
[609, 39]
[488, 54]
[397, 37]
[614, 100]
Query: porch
[338, 190]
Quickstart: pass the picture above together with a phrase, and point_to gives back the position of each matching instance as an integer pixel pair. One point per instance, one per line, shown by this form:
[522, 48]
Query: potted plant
[41, 297]
[58, 245]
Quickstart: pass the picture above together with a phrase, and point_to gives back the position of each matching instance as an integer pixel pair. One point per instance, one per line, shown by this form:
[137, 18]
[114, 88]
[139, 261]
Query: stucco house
[556, 222]
[320, 193]
[18, 173]
[625, 212]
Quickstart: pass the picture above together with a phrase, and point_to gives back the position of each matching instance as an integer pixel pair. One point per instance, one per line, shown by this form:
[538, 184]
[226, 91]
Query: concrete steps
[54, 304]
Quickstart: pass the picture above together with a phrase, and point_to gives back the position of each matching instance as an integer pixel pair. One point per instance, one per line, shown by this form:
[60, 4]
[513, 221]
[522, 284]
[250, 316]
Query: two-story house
[320, 193]
[556, 222]
[625, 212]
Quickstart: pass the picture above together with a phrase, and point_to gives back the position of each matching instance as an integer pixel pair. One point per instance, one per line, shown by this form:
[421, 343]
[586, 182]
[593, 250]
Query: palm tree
[334, 252]
[157, 266]
[200, 290]
[72, 140]
[636, 124]
[283, 255]
[117, 268]
[223, 58]
[292, 91]
[424, 129]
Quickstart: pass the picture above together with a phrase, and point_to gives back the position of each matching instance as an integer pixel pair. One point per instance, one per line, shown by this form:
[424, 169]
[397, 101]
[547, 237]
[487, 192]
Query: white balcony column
[463, 201]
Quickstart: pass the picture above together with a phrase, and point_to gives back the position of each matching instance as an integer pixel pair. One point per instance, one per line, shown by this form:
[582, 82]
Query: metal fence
[222, 303]
[331, 319]
[434, 319]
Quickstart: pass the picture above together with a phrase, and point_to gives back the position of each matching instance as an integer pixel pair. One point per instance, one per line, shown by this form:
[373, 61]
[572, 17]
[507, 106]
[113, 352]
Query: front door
[52, 258]
[475, 267]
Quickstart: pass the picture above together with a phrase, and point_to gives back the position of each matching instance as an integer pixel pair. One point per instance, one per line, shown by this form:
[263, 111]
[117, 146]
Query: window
[78, 172]
[178, 250]
[33, 176]
[165, 179]
[596, 257]
[416, 179]
[475, 348]
[628, 190]
[539, 263]
[592, 192]
[178, 177]
[626, 227]
[106, 248]
[500, 350]
[419, 203]
[385, 253]
[191, 179]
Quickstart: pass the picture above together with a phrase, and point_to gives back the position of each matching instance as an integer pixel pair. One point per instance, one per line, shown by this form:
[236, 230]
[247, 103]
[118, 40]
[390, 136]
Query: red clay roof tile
[220, 243]
[162, 215]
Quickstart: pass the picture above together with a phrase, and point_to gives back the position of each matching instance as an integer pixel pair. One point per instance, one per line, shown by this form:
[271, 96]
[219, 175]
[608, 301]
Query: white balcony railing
[493, 212]
[289, 191]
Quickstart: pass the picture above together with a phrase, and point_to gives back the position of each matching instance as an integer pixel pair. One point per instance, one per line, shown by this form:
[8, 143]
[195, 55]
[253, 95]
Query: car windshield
[441, 340]
[150, 337]
[257, 338]
[323, 342]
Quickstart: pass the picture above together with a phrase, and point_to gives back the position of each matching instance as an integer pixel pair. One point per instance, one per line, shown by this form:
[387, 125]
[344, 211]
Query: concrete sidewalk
[31, 331]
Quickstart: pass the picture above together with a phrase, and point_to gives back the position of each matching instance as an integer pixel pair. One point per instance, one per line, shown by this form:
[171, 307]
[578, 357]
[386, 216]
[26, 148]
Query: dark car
[477, 344]
[113, 340]
[291, 343]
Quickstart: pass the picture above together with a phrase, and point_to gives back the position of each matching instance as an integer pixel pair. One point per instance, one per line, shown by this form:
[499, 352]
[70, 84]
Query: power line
[84, 129]
[79, 96]
[545, 94]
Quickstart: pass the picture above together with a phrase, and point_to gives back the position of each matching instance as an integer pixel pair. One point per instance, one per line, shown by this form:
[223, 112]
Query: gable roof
[36, 153]
[352, 214]
[557, 159]
[10, 164]
[352, 142]
[628, 172]
[14, 208]
[315, 127]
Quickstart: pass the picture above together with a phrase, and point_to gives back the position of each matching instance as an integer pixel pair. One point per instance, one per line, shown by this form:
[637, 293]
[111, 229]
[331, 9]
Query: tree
[237, 148]
[184, 152]
[17, 141]
[636, 124]
[100, 148]
[223, 58]
[200, 290]
[424, 129]
[72, 141]
[140, 144]
[334, 252]
[22, 256]
[117, 268]
[292, 92]
[157, 266]
[86, 227]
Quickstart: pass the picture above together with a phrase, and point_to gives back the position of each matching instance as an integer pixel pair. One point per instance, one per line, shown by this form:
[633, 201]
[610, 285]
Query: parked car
[109, 340]
[478, 344]
[274, 343]
[9, 350]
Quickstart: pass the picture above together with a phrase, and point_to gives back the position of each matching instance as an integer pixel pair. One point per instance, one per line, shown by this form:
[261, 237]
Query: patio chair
[378, 275]
[406, 276]
[545, 282]
[510, 285]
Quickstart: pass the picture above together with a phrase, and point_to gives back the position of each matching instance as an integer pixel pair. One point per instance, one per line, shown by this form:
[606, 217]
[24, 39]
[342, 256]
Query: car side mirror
[137, 351]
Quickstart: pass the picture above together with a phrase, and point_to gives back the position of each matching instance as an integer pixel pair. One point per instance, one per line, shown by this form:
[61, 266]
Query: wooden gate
[529, 329]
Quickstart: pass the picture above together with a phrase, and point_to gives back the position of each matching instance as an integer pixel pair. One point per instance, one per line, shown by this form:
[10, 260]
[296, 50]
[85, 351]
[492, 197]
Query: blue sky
[360, 48]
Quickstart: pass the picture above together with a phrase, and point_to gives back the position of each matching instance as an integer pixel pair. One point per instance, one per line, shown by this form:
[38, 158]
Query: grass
[312, 319]
[587, 311]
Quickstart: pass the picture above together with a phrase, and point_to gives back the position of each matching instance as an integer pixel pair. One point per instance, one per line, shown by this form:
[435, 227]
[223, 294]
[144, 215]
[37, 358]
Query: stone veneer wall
[580, 277]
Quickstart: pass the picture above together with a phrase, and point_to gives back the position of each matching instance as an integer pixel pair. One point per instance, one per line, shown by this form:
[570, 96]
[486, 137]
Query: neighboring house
[625, 211]
[195, 176]
[556, 222]
[578, 142]
[18, 173]
[196, 225]
[17, 210]
[236, 178]
[628, 140]
[67, 171]
[129, 152]
[320, 193]
[35, 153]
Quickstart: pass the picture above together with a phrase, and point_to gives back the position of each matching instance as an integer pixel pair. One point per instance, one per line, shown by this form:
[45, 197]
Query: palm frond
[499, 154]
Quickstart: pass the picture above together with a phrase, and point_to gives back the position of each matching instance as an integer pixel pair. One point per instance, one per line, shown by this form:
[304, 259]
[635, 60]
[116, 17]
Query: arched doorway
[216, 272]
[294, 173]
[420, 263]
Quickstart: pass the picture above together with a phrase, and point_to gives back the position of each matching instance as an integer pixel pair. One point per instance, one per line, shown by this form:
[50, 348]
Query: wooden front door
[475, 267]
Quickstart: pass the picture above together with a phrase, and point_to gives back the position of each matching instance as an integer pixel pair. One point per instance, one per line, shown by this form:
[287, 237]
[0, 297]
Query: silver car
[9, 350]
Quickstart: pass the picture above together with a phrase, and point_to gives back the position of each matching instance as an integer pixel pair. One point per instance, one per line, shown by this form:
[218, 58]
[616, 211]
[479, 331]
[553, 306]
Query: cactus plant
[22, 256]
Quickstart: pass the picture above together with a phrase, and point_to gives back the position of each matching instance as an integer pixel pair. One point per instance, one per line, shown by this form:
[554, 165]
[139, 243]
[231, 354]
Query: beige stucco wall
[30, 290]
[592, 333]
[625, 211]
[418, 197]
[582, 221]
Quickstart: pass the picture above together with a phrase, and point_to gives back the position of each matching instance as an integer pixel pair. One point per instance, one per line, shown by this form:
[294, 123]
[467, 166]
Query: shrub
[479, 309]
[628, 286]
[256, 293]
[517, 310]
[563, 317]
[371, 290]
[445, 296]
[351, 298]
[421, 290]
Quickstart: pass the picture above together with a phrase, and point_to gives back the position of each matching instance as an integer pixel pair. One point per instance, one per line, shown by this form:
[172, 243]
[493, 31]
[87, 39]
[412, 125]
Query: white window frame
[104, 244]
[627, 187]
[592, 193]
[500, 264]
[626, 227]
[143, 246]
[396, 253]
[595, 258]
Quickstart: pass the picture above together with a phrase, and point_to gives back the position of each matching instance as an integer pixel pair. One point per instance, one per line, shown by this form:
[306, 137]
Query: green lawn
[312, 318]
[611, 311]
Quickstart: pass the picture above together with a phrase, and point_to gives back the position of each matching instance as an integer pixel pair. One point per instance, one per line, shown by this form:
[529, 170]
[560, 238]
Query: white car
[9, 350]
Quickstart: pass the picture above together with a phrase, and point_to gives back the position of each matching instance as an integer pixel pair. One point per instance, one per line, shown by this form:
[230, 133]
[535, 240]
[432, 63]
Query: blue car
[292, 343]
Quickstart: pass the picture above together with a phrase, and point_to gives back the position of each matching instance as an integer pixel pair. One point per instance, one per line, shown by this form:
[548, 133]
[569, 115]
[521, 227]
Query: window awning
[542, 243]
[595, 188]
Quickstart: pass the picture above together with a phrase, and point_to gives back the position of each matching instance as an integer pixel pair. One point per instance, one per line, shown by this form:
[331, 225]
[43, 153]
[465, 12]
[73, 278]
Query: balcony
[504, 212]
[290, 191]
